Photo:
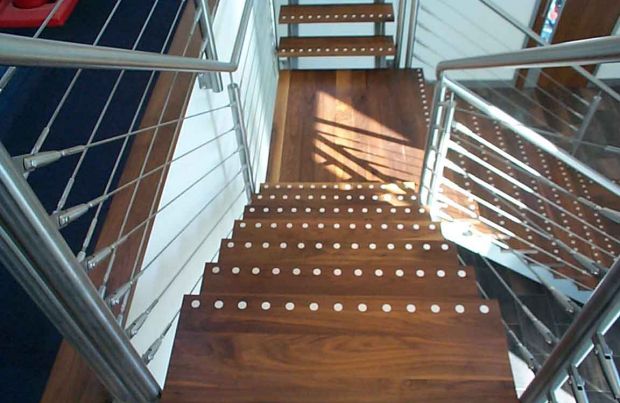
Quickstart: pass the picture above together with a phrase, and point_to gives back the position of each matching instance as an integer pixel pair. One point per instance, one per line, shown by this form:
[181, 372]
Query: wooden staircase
[332, 292]
[309, 46]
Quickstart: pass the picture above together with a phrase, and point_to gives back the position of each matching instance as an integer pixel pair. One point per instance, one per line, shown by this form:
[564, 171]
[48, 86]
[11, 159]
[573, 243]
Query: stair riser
[405, 281]
[319, 252]
[366, 213]
[333, 231]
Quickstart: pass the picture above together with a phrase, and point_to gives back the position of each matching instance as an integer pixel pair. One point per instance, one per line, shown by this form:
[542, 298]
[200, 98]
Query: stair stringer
[461, 234]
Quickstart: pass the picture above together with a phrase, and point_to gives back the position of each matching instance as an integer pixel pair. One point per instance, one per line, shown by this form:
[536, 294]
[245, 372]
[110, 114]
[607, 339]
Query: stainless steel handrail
[538, 39]
[30, 246]
[23, 51]
[35, 252]
[530, 135]
[597, 315]
[587, 51]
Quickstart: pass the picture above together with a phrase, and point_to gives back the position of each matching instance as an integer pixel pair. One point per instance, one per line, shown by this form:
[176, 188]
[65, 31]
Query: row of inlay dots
[347, 186]
[338, 245]
[317, 271]
[368, 226]
[329, 16]
[310, 50]
[386, 197]
[349, 210]
[338, 306]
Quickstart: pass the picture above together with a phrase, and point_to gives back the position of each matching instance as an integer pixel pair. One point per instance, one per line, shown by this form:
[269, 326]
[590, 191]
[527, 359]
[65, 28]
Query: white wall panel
[221, 191]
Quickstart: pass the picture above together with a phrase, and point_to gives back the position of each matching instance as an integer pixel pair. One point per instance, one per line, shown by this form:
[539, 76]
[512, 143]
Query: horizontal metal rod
[102, 253]
[586, 51]
[54, 264]
[531, 136]
[534, 249]
[8, 74]
[68, 215]
[518, 106]
[538, 39]
[560, 137]
[492, 36]
[521, 205]
[498, 227]
[31, 162]
[544, 331]
[114, 298]
[137, 323]
[498, 153]
[547, 266]
[598, 314]
[507, 199]
[22, 51]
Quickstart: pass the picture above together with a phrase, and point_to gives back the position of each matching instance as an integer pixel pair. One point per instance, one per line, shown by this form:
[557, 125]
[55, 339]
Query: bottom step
[338, 349]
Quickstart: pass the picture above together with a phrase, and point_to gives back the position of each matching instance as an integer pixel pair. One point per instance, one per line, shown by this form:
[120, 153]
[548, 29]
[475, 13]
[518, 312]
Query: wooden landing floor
[349, 125]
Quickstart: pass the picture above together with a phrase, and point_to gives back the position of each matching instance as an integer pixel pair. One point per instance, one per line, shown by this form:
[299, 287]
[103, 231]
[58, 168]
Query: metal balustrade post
[211, 80]
[379, 29]
[292, 31]
[442, 149]
[242, 138]
[413, 24]
[34, 252]
[597, 316]
[432, 142]
[585, 123]
[400, 29]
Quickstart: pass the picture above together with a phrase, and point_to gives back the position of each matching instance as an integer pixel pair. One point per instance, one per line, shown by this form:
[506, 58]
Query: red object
[31, 13]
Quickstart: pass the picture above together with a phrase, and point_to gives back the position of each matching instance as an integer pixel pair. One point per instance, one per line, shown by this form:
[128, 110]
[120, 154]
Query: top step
[309, 14]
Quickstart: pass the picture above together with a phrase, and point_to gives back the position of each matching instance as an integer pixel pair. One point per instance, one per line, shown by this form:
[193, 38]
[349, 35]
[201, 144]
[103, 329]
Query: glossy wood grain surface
[349, 125]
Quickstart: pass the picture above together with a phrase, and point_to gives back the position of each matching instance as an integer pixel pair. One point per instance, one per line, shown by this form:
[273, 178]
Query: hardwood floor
[349, 125]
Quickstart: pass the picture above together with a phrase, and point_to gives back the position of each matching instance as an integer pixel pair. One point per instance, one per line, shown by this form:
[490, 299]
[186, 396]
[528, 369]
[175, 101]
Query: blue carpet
[28, 342]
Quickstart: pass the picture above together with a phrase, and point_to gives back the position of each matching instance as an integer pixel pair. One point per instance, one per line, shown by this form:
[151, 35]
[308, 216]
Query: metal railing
[467, 159]
[565, 115]
[91, 289]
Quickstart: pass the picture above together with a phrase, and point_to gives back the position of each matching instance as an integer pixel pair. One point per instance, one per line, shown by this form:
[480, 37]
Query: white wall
[610, 70]
[199, 242]
[451, 29]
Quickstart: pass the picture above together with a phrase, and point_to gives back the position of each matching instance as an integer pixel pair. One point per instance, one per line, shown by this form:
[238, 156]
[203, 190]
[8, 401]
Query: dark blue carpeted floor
[28, 342]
